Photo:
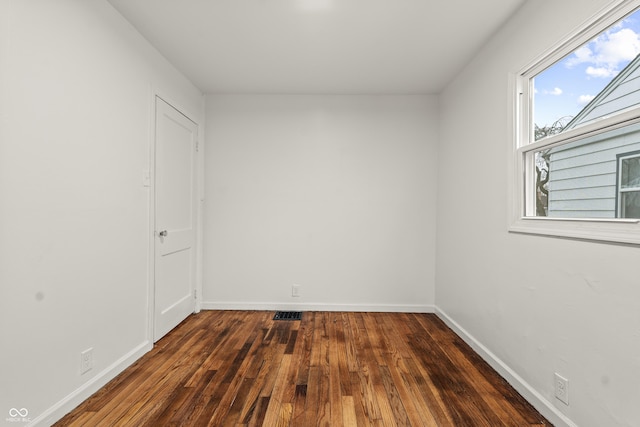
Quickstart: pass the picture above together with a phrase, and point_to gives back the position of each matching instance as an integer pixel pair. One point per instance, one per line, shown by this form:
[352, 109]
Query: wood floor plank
[335, 386]
[364, 382]
[305, 337]
[299, 405]
[313, 398]
[373, 344]
[242, 368]
[323, 416]
[258, 373]
[360, 405]
[274, 410]
[261, 410]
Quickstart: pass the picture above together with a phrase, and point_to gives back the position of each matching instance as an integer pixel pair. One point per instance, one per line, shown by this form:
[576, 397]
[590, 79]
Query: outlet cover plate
[295, 290]
[561, 386]
[86, 360]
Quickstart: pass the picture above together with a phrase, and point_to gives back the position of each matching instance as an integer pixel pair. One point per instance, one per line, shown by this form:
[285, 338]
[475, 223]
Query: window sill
[625, 231]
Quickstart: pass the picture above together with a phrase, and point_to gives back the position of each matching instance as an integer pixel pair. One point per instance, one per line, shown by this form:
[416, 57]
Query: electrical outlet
[86, 360]
[295, 290]
[562, 389]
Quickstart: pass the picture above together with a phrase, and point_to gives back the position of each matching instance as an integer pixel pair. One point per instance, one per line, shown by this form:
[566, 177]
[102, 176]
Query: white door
[175, 218]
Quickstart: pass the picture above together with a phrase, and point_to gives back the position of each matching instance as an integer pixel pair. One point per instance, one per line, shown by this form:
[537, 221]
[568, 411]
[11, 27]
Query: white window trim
[615, 230]
[620, 190]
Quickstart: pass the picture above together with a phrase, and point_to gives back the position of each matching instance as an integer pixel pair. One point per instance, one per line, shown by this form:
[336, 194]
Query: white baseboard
[63, 407]
[541, 404]
[385, 308]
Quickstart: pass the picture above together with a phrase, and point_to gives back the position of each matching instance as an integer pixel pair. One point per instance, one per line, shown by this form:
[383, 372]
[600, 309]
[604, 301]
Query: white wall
[76, 85]
[335, 193]
[540, 305]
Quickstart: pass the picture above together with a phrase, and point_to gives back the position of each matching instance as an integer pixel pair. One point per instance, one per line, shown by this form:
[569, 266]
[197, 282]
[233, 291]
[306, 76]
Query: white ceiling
[318, 46]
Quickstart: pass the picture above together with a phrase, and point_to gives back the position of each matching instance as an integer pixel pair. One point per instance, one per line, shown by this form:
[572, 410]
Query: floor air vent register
[288, 315]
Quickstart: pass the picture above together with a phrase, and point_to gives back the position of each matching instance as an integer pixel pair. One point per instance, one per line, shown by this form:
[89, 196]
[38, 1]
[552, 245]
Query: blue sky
[566, 87]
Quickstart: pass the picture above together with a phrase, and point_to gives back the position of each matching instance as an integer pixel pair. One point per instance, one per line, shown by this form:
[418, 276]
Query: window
[577, 157]
[629, 185]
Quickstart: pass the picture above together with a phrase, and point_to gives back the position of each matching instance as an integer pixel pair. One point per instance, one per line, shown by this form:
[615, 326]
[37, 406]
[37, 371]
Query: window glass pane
[630, 173]
[630, 203]
[598, 79]
[541, 190]
[580, 179]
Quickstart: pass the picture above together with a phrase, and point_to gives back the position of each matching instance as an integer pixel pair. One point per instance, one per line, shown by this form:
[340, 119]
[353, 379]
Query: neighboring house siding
[583, 176]
[623, 96]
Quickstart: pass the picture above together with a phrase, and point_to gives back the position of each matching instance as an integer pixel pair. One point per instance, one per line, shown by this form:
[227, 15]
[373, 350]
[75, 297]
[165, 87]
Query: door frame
[149, 177]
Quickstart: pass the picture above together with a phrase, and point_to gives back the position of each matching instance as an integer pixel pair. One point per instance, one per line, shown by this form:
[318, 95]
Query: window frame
[619, 190]
[522, 169]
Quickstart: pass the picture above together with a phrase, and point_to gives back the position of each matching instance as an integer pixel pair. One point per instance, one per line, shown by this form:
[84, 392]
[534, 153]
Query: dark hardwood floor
[241, 368]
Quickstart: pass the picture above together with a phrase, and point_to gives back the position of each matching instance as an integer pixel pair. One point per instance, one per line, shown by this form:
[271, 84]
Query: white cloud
[556, 91]
[607, 52]
[620, 46]
[600, 72]
[585, 99]
[581, 55]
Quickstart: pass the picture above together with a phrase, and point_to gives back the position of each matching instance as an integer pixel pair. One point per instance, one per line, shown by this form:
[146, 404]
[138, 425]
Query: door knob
[163, 233]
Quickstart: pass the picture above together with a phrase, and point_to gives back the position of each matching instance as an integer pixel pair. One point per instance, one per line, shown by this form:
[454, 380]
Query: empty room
[446, 192]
